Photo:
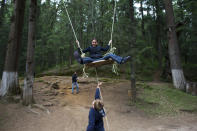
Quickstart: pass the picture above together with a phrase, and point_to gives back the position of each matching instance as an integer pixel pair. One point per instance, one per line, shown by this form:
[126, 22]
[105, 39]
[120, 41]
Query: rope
[82, 54]
[85, 75]
[112, 28]
[115, 68]
[112, 49]
[101, 98]
[71, 25]
[96, 75]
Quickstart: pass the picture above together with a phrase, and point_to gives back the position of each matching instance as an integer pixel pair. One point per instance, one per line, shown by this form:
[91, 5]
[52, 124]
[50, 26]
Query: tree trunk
[133, 40]
[10, 84]
[194, 22]
[93, 15]
[148, 8]
[87, 35]
[158, 32]
[81, 32]
[70, 54]
[142, 14]
[29, 80]
[2, 11]
[173, 49]
[102, 27]
[154, 12]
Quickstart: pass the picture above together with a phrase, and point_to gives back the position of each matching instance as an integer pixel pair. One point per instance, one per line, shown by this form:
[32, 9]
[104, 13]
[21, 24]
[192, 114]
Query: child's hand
[100, 83]
[110, 42]
[77, 42]
[93, 103]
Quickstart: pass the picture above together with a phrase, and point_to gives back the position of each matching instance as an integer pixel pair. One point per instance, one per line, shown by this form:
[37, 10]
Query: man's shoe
[78, 57]
[125, 59]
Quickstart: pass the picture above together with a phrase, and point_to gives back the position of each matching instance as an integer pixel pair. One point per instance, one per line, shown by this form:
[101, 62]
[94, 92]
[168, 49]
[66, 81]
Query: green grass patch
[163, 99]
[40, 80]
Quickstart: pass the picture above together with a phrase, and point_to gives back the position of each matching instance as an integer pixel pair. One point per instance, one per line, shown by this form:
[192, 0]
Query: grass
[40, 80]
[163, 99]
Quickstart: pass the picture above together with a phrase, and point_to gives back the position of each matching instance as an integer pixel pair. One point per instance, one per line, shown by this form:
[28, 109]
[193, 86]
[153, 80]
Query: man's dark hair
[95, 39]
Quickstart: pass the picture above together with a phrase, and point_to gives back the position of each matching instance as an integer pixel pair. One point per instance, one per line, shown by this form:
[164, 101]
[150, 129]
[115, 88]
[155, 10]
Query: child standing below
[96, 113]
[74, 83]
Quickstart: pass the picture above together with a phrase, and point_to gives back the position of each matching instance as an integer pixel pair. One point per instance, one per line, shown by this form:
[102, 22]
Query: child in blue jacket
[95, 54]
[74, 82]
[96, 113]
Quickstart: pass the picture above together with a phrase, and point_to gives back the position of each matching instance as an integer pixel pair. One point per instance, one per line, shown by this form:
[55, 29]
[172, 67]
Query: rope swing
[112, 50]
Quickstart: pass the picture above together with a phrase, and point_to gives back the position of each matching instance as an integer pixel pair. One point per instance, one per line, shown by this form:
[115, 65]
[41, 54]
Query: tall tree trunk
[81, 27]
[194, 22]
[87, 35]
[102, 27]
[71, 48]
[158, 32]
[2, 11]
[10, 84]
[142, 14]
[29, 79]
[148, 8]
[93, 15]
[53, 16]
[133, 40]
[154, 11]
[175, 62]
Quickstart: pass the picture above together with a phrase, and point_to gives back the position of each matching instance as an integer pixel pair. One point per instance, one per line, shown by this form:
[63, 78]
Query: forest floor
[69, 112]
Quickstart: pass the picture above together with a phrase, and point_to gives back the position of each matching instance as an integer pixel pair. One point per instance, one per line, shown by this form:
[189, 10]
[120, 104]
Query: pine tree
[175, 62]
[29, 79]
[10, 84]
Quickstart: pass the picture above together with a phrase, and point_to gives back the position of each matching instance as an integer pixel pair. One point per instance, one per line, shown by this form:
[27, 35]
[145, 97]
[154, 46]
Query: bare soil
[69, 112]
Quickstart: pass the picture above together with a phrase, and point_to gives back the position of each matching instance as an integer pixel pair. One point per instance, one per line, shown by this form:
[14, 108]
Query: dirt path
[70, 112]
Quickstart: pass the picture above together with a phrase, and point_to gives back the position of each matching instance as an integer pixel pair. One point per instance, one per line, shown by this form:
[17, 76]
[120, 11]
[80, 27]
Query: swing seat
[100, 63]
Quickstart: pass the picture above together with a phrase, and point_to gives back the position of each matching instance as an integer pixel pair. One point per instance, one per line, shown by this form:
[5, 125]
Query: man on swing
[95, 54]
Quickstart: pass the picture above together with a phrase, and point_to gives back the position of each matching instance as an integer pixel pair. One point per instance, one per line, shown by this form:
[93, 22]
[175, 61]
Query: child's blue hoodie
[96, 117]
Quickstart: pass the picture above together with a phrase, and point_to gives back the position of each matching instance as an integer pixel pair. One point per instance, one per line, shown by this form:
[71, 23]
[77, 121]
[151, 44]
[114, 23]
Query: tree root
[41, 107]
[31, 110]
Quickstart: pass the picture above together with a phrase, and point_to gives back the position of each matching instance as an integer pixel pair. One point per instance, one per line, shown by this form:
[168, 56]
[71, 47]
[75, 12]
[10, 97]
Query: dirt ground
[68, 112]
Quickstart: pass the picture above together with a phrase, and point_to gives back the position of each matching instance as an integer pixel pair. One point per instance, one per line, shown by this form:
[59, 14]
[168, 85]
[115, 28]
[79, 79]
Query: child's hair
[98, 104]
[95, 39]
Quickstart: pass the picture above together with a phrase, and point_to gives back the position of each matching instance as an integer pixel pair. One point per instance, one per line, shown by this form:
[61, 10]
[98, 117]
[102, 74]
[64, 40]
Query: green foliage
[55, 41]
[163, 99]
